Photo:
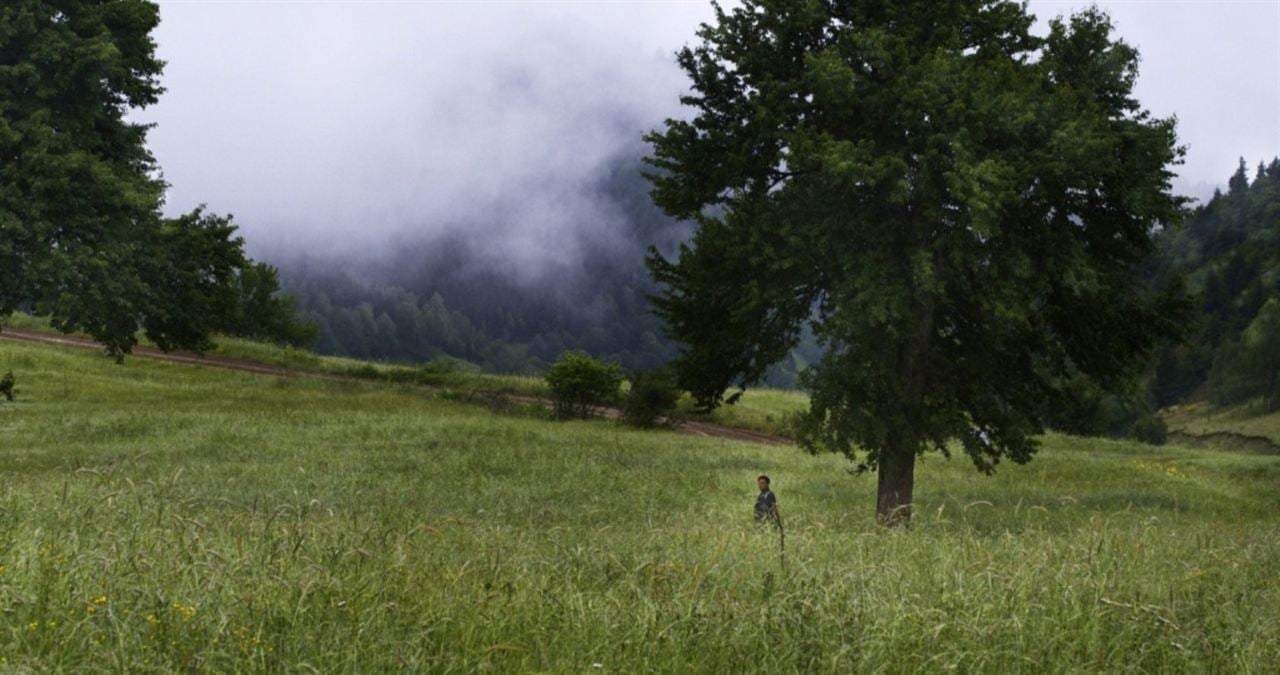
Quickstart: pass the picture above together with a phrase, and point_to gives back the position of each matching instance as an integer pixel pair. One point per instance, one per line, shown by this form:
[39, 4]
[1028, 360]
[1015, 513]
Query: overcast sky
[338, 126]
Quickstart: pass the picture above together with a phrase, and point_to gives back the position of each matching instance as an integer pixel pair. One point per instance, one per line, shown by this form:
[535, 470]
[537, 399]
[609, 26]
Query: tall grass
[161, 517]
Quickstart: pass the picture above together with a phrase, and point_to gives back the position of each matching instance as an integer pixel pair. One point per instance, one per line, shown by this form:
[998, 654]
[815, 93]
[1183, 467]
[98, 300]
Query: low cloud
[349, 129]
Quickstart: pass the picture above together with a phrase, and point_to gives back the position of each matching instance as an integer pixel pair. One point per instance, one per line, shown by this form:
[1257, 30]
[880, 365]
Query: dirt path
[694, 428]
[160, 355]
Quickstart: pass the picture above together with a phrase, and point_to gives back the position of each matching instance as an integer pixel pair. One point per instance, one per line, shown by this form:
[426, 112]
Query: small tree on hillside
[955, 205]
[580, 385]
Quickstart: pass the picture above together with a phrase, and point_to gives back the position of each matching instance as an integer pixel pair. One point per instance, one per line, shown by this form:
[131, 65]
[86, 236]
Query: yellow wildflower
[186, 611]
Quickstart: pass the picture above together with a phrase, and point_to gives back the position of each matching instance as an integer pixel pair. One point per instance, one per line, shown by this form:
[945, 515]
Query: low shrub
[581, 384]
[652, 399]
[1150, 429]
[6, 386]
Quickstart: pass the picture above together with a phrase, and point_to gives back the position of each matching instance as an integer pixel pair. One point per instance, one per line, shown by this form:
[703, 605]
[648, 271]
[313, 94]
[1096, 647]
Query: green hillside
[162, 517]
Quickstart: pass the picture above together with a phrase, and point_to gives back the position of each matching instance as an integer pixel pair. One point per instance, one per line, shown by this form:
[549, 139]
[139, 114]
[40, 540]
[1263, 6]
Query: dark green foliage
[1229, 250]
[191, 280]
[78, 193]
[82, 240]
[652, 398]
[1082, 407]
[580, 385]
[262, 313]
[1248, 366]
[956, 206]
[6, 386]
[367, 320]
[1150, 429]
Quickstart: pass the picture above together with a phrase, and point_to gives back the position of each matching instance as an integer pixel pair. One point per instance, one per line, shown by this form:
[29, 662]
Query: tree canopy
[82, 238]
[956, 206]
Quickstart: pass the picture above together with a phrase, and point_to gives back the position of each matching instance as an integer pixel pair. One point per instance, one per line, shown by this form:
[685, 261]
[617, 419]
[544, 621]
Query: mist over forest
[457, 291]
[454, 292]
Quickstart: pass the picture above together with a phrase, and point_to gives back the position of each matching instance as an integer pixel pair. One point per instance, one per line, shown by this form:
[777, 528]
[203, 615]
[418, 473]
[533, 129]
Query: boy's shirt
[765, 504]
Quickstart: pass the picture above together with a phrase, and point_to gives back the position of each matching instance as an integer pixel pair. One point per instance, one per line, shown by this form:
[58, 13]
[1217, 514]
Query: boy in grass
[766, 503]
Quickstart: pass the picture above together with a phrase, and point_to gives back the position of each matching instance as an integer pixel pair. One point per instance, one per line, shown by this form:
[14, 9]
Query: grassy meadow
[160, 517]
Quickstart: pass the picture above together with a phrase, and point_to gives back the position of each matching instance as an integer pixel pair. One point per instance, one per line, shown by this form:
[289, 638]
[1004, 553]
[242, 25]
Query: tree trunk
[897, 472]
[897, 465]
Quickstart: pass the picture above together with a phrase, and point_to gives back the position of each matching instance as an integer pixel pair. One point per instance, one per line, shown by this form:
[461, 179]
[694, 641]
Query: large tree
[956, 206]
[82, 238]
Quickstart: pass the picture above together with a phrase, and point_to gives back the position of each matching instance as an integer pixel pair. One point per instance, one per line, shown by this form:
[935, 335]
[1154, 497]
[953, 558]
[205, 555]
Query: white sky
[333, 126]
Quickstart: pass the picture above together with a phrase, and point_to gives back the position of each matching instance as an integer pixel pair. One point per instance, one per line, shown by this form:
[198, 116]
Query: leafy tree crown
[955, 205]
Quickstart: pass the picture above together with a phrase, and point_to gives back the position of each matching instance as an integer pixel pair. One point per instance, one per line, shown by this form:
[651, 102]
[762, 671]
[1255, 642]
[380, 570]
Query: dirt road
[695, 428]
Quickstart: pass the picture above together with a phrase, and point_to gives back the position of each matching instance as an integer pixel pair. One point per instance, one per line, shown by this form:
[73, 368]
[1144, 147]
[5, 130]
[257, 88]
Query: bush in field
[1150, 429]
[580, 384]
[651, 399]
[6, 386]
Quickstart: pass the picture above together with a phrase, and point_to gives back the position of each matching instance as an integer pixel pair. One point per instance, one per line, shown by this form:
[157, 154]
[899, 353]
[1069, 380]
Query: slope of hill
[760, 411]
[1247, 420]
[161, 516]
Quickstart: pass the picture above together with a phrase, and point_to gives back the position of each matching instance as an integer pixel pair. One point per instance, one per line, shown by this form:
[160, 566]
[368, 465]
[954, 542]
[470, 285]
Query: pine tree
[1239, 181]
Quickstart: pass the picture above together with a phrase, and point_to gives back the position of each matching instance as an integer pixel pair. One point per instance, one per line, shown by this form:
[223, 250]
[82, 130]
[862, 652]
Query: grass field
[759, 409]
[162, 517]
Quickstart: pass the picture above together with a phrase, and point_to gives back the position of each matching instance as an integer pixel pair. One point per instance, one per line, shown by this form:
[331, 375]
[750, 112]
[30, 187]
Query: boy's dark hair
[763, 478]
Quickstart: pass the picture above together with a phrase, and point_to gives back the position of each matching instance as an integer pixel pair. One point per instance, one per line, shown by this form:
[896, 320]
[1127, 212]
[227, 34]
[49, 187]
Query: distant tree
[1261, 345]
[957, 207]
[1230, 380]
[262, 312]
[1239, 181]
[1251, 366]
